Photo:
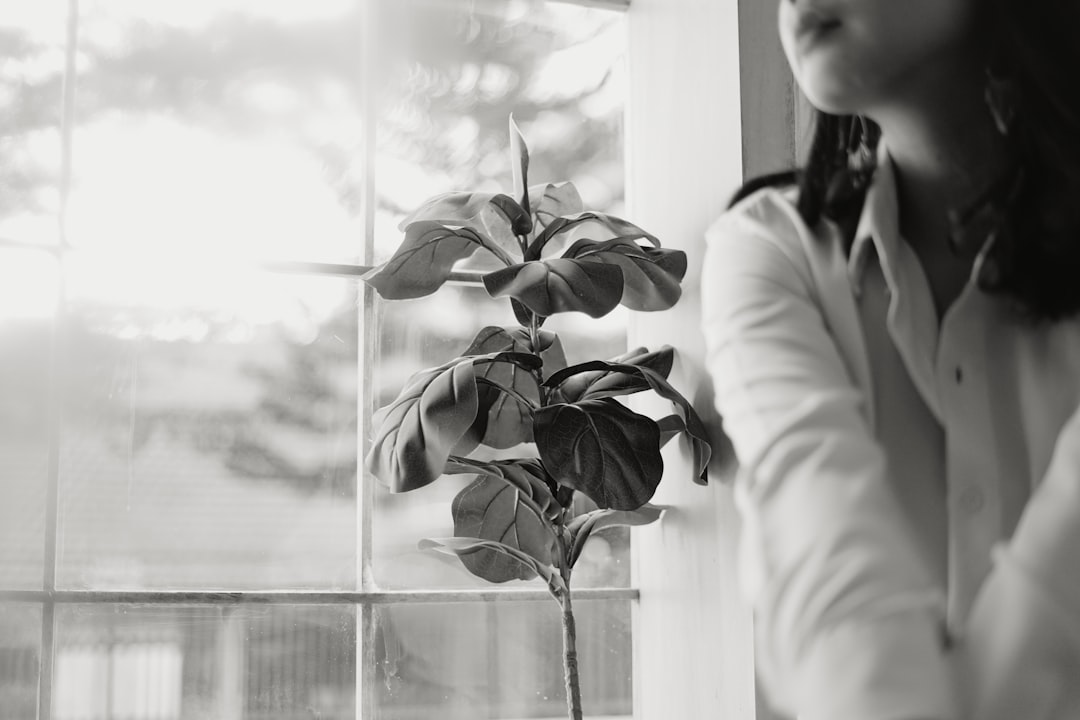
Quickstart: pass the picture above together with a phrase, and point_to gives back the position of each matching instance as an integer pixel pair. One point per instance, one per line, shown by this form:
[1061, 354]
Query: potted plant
[517, 520]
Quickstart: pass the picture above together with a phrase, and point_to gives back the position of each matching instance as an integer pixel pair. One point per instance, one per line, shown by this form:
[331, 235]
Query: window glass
[168, 662]
[20, 643]
[228, 128]
[209, 436]
[499, 660]
[453, 73]
[28, 292]
[32, 40]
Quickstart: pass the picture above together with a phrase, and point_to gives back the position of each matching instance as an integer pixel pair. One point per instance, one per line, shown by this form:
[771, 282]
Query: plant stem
[534, 343]
[570, 659]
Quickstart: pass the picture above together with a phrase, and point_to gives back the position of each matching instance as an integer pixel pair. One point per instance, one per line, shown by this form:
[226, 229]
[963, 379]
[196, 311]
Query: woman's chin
[831, 97]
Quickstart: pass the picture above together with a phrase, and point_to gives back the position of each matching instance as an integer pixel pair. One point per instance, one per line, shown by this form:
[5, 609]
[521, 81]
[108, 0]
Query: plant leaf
[494, 216]
[519, 166]
[501, 421]
[424, 260]
[490, 509]
[525, 474]
[452, 208]
[430, 419]
[604, 379]
[592, 225]
[463, 547]
[651, 275]
[552, 201]
[583, 526]
[601, 448]
[547, 287]
[519, 221]
[610, 384]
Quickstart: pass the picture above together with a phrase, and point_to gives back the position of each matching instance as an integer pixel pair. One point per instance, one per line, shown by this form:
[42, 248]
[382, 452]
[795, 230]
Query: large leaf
[494, 216]
[547, 287]
[591, 225]
[490, 509]
[452, 208]
[519, 167]
[527, 475]
[430, 419]
[501, 421]
[604, 379]
[552, 201]
[583, 526]
[425, 259]
[601, 448]
[622, 379]
[464, 547]
[651, 275]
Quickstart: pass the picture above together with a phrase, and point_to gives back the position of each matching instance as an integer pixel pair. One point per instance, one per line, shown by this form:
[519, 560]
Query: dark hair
[1035, 209]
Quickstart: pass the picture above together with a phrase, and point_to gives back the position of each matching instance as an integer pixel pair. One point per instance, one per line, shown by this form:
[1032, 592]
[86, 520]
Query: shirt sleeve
[1022, 649]
[848, 621]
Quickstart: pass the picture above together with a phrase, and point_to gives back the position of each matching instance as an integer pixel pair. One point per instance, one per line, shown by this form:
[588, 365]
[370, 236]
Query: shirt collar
[879, 223]
[879, 228]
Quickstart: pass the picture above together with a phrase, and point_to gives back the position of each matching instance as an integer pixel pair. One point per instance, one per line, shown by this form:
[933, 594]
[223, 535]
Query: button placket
[974, 505]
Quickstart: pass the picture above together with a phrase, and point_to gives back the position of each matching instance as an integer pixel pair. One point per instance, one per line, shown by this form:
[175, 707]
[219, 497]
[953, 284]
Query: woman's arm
[849, 621]
[1022, 650]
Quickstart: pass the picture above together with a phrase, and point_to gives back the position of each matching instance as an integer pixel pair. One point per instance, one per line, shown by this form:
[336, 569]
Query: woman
[894, 336]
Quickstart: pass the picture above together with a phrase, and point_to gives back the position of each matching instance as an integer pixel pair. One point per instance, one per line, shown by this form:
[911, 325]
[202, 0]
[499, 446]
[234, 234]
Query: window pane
[32, 40]
[455, 71]
[227, 128]
[28, 298]
[209, 434]
[20, 642]
[235, 663]
[499, 660]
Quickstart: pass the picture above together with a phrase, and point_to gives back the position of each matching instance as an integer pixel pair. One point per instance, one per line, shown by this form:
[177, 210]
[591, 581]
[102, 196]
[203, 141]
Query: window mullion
[367, 336]
[55, 400]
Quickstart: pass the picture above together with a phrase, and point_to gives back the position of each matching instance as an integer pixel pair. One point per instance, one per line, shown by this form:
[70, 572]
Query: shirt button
[972, 500]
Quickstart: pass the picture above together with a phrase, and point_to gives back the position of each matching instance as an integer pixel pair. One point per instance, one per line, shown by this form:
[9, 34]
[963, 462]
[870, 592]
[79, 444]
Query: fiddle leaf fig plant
[512, 386]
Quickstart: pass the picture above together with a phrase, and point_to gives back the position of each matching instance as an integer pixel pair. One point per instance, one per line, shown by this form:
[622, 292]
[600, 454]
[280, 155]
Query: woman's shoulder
[763, 231]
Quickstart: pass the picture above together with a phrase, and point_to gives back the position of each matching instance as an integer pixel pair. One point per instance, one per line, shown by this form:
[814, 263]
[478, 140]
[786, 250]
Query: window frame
[367, 595]
[712, 102]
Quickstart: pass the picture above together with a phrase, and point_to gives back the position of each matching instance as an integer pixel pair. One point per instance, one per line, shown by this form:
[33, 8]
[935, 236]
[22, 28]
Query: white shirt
[884, 464]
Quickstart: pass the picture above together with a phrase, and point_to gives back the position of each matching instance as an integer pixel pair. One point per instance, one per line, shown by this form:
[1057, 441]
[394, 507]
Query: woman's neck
[945, 150]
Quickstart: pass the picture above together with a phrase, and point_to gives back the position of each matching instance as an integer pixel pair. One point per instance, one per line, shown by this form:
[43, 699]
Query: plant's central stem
[570, 659]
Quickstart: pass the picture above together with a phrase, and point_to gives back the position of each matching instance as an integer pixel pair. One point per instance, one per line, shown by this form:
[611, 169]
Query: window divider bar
[367, 334]
[623, 5]
[305, 597]
[46, 650]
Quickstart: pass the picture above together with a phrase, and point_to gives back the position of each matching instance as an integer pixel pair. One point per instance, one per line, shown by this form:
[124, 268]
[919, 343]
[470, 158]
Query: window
[188, 361]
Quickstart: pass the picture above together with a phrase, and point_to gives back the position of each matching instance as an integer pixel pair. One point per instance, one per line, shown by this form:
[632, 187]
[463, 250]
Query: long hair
[1034, 212]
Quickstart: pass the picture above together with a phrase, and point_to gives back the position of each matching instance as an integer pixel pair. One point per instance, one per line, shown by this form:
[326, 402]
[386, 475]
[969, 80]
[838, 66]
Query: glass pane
[209, 436]
[204, 663]
[227, 128]
[32, 41]
[455, 71]
[499, 660]
[20, 642]
[28, 299]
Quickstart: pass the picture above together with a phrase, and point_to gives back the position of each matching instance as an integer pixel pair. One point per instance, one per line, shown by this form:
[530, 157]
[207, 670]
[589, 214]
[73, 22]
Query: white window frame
[711, 102]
